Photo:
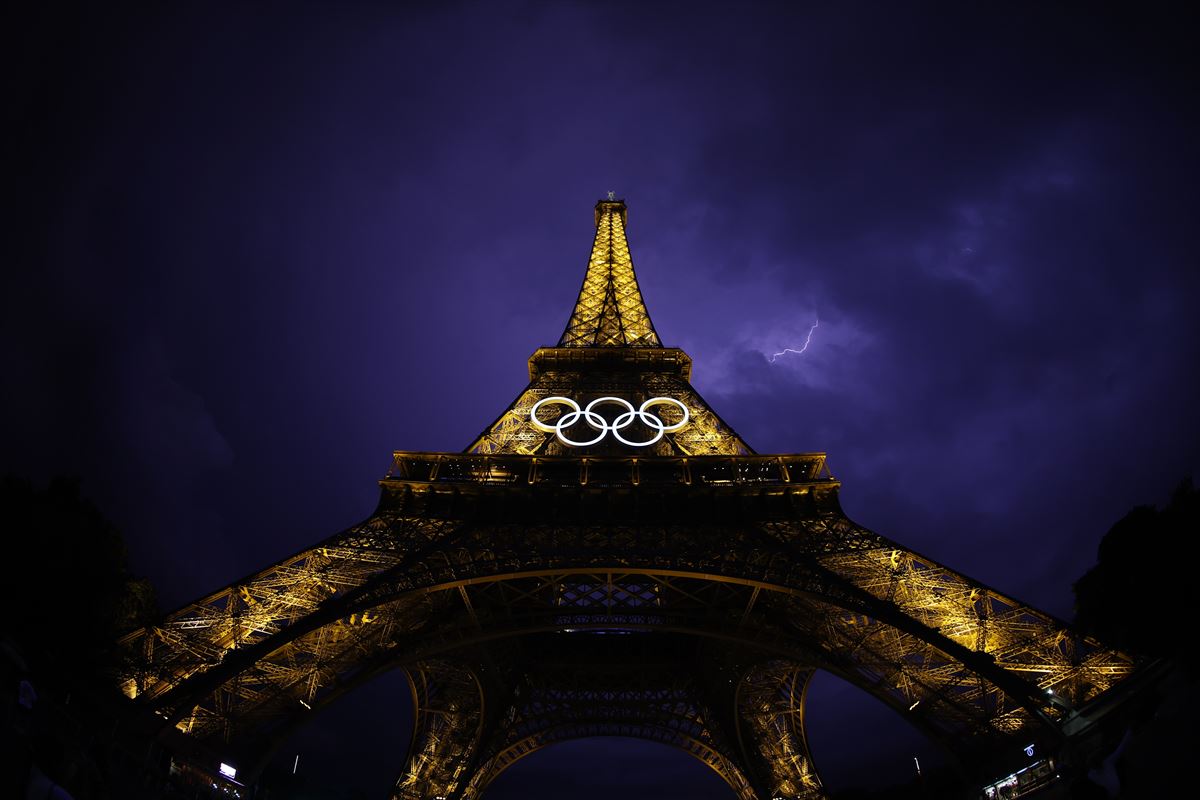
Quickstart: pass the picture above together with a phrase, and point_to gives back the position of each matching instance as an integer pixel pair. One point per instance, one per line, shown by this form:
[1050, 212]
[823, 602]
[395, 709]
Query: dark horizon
[259, 249]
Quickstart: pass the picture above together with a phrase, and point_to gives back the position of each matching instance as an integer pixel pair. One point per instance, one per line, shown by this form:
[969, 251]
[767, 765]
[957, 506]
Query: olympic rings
[598, 423]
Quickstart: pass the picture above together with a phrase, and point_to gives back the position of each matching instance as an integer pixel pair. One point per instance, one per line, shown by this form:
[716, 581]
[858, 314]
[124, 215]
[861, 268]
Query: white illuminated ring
[568, 419]
[597, 423]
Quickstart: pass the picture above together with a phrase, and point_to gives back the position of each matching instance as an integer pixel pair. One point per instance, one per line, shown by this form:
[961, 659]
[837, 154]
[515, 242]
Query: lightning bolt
[807, 342]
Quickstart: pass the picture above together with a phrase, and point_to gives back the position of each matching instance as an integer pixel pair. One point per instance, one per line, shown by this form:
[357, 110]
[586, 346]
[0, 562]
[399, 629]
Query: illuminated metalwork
[683, 592]
[610, 311]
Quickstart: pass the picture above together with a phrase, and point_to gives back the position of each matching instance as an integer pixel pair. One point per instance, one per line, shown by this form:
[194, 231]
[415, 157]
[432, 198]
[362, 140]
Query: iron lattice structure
[683, 592]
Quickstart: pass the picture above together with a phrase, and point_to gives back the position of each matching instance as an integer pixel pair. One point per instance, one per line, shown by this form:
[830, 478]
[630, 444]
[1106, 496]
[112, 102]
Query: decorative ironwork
[610, 311]
[682, 592]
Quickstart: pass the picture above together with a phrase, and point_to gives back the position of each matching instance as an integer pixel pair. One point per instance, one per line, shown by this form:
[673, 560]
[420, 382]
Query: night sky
[254, 248]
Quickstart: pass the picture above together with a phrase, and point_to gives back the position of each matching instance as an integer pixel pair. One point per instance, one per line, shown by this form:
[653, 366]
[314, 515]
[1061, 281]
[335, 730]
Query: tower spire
[609, 355]
[610, 311]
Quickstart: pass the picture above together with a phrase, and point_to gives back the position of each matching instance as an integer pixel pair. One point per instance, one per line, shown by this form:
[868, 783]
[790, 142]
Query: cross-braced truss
[610, 311]
[755, 562]
[683, 592]
[644, 374]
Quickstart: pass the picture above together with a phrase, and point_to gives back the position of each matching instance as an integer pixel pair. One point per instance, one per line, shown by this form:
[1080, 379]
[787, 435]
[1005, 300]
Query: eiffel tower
[610, 558]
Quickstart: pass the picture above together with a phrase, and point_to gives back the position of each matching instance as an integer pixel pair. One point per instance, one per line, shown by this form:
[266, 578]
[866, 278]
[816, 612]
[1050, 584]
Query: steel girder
[968, 665]
[595, 375]
[610, 311]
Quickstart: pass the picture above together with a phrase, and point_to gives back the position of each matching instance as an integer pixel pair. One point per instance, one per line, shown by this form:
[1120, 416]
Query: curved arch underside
[745, 723]
[471, 605]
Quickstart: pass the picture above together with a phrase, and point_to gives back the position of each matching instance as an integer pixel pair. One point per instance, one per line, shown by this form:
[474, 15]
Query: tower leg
[770, 706]
[448, 711]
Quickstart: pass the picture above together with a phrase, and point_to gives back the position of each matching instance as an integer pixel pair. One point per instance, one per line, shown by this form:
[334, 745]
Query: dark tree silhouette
[67, 593]
[1138, 591]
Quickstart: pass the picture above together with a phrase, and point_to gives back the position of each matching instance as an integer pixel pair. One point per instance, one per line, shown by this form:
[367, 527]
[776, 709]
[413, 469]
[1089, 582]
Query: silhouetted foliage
[67, 593]
[1133, 597]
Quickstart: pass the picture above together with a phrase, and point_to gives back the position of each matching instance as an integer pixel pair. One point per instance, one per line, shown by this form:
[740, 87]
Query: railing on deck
[609, 470]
